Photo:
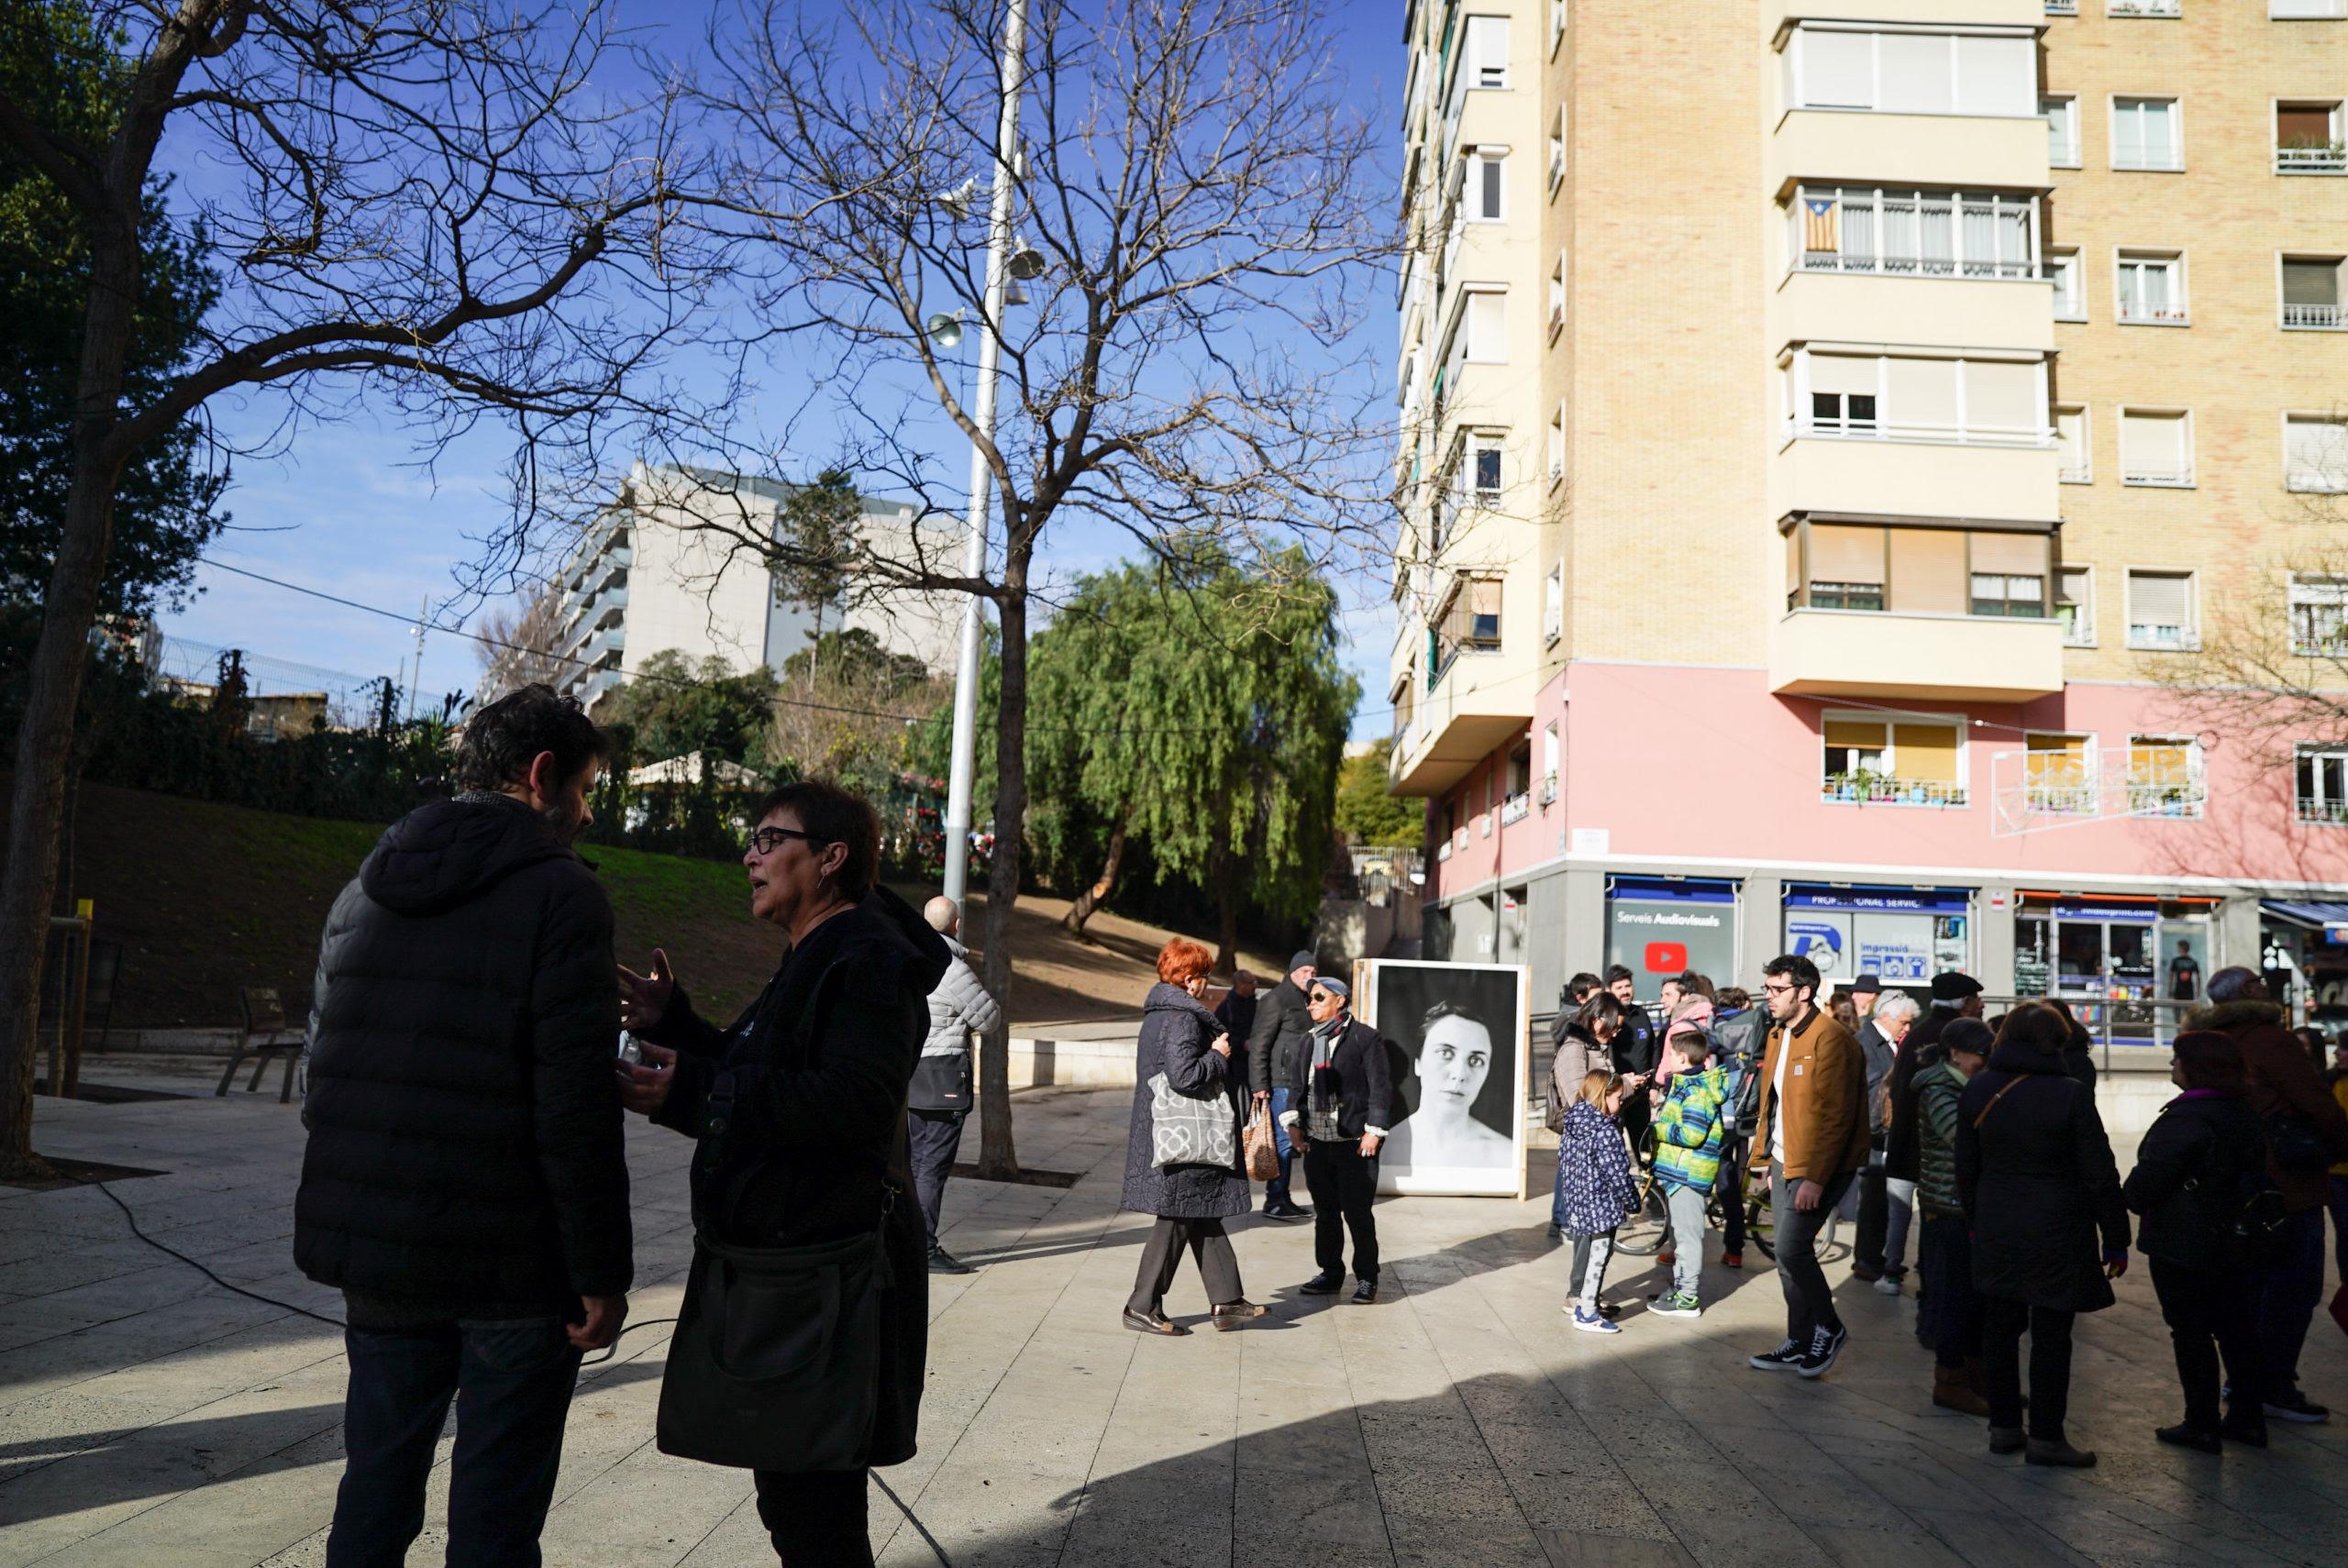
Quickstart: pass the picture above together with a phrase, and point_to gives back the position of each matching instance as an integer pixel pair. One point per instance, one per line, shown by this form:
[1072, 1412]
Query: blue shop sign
[1671, 890]
[1889, 900]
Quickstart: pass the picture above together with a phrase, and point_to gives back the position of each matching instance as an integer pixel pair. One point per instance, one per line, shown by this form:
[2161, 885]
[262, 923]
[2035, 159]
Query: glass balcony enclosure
[1847, 394]
[1918, 568]
[1914, 233]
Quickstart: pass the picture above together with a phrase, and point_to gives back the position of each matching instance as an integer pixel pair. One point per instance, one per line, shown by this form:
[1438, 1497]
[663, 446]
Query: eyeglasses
[767, 840]
[1775, 990]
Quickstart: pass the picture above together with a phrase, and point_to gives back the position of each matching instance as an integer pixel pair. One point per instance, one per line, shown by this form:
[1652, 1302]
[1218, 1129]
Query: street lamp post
[961, 779]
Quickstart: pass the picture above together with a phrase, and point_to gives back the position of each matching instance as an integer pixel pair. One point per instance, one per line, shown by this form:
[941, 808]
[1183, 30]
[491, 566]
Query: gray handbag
[1186, 1131]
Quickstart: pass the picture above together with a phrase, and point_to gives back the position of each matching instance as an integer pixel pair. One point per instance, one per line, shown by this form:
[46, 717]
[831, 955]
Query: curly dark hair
[502, 740]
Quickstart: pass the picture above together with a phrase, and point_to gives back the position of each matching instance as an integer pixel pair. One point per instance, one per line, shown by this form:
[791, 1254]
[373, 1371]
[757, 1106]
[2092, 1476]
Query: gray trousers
[1593, 1272]
[1810, 1305]
[1687, 1206]
[932, 1138]
[1204, 1239]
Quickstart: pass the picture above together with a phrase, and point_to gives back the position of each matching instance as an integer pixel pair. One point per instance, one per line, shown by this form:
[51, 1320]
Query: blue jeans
[511, 1380]
[1276, 1190]
[2286, 1296]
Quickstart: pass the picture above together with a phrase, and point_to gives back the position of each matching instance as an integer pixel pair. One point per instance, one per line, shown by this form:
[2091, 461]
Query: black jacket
[2036, 1175]
[1902, 1151]
[1235, 1015]
[465, 1145]
[1274, 1044]
[2191, 1174]
[1176, 1032]
[1636, 1046]
[799, 1111]
[1364, 1082]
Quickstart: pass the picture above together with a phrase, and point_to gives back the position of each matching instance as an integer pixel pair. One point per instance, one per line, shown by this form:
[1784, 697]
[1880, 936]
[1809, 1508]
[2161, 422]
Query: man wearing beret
[1339, 1123]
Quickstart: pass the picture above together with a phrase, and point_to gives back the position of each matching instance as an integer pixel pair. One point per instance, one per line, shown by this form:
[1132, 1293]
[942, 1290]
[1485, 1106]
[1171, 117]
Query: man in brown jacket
[2283, 1083]
[1813, 1130]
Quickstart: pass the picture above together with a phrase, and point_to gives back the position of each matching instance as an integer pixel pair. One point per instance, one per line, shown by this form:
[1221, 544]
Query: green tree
[819, 526]
[54, 63]
[1366, 814]
[1201, 706]
[672, 706]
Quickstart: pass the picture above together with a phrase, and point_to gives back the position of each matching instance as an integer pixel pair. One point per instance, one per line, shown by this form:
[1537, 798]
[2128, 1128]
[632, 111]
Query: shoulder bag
[1187, 1131]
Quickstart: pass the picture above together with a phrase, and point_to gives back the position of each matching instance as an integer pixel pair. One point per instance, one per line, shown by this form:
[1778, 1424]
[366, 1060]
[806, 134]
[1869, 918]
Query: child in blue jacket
[1595, 1167]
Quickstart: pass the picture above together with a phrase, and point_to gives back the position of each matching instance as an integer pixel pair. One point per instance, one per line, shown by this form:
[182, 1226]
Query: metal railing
[2129, 1034]
[2311, 160]
[1838, 789]
[2145, 8]
[2334, 813]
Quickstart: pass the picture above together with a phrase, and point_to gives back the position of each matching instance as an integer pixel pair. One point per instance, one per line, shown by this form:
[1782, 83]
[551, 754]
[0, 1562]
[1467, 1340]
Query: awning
[2330, 919]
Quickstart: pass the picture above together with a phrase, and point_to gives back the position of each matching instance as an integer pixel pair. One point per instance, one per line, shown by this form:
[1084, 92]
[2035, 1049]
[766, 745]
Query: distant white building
[651, 574]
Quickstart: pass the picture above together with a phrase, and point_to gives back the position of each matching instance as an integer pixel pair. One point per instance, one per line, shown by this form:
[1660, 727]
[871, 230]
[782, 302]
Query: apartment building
[1830, 430]
[661, 568]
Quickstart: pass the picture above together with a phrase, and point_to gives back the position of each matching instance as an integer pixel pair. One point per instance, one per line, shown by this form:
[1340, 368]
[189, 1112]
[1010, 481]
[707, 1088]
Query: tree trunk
[1093, 897]
[53, 685]
[998, 1160]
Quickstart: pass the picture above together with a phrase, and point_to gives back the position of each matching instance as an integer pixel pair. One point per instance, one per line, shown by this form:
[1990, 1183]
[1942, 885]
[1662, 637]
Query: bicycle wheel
[1757, 1228]
[1642, 1235]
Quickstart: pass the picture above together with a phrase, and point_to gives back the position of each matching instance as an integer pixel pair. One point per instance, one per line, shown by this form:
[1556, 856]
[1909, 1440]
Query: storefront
[2148, 957]
[2303, 949]
[1904, 935]
[1660, 926]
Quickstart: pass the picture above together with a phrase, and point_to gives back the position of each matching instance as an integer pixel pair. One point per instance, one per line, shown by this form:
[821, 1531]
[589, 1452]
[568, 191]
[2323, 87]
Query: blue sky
[348, 508]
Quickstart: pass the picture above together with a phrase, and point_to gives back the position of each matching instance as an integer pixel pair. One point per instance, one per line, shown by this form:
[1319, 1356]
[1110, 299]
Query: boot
[2005, 1439]
[1976, 1377]
[2055, 1450]
[1951, 1392]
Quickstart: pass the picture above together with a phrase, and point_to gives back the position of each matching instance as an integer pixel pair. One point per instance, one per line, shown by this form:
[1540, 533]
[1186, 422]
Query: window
[1556, 24]
[2075, 604]
[2307, 10]
[2164, 776]
[1487, 185]
[2058, 772]
[1910, 72]
[2315, 453]
[1557, 444]
[1914, 233]
[2323, 784]
[2062, 111]
[2008, 594]
[1842, 395]
[2155, 447]
[1557, 296]
[2077, 466]
[2150, 287]
[1484, 465]
[2062, 8]
[2070, 297]
[1483, 329]
[1470, 621]
[2307, 138]
[1552, 613]
[1487, 52]
[2319, 608]
[1916, 571]
[1553, 757]
[1914, 761]
[1557, 149]
[2146, 134]
[2311, 294]
[1989, 402]
[2160, 609]
[1405, 699]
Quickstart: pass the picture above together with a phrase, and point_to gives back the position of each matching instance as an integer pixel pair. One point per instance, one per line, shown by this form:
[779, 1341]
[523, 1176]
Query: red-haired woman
[1184, 1051]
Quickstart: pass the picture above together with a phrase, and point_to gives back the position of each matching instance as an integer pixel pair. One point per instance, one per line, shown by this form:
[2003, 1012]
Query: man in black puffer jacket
[465, 1183]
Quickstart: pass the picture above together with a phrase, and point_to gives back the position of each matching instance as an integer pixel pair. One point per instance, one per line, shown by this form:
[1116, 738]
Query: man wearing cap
[1954, 996]
[1340, 1125]
[1276, 1070]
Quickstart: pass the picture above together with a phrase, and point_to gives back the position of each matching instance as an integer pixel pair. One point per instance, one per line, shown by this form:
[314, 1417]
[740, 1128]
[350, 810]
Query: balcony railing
[2062, 799]
[1898, 430]
[2333, 160]
[1515, 808]
[2146, 800]
[1548, 788]
[1873, 790]
[2332, 813]
[2075, 474]
[1915, 266]
[2062, 8]
[2145, 8]
[2166, 314]
[2179, 475]
[2314, 318]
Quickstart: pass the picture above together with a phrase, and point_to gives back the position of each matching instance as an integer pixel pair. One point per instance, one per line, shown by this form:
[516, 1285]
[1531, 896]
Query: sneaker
[1785, 1358]
[1825, 1345]
[943, 1261]
[1287, 1211]
[2296, 1408]
[1732, 1260]
[1672, 1304]
[1888, 1285]
[1666, 1256]
[1591, 1323]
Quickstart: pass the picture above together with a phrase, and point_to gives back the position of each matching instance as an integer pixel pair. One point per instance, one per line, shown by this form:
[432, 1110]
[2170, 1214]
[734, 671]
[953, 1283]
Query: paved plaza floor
[149, 1418]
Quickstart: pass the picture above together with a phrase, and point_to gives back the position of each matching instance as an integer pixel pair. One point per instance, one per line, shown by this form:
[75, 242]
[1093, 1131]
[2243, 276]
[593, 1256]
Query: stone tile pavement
[149, 1418]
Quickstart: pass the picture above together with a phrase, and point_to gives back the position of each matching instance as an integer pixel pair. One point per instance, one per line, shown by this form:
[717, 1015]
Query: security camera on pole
[966, 671]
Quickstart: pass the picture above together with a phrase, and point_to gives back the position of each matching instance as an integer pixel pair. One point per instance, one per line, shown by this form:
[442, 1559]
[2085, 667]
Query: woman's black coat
[2036, 1178]
[2189, 1178]
[814, 1146]
[1175, 1033]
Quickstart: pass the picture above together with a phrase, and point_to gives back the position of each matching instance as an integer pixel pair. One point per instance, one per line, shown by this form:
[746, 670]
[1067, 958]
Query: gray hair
[1895, 1006]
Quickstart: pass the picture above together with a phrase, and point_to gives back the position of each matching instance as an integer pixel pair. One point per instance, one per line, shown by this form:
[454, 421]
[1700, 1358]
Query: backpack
[2294, 1143]
[2253, 1231]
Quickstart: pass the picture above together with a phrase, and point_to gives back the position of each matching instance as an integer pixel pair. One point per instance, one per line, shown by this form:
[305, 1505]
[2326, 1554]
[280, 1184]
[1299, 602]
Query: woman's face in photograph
[1453, 1061]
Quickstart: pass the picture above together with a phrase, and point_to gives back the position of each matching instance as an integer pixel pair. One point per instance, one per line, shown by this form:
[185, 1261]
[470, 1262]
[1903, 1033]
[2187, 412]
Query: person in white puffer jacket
[942, 1087]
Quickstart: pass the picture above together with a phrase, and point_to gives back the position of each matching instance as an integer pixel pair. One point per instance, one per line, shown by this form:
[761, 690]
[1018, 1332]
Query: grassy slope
[205, 898]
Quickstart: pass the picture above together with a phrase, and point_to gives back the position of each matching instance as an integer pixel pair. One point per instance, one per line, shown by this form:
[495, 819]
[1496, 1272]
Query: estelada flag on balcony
[1818, 224]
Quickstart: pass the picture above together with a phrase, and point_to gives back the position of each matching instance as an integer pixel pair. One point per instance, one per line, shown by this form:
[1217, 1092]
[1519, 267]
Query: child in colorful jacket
[1688, 1131]
[1594, 1171]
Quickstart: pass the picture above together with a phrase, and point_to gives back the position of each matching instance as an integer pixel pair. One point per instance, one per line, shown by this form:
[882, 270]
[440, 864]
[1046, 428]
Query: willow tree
[1199, 705]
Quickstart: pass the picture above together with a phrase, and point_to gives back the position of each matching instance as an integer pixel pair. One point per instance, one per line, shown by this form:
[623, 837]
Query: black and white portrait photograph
[1459, 1032]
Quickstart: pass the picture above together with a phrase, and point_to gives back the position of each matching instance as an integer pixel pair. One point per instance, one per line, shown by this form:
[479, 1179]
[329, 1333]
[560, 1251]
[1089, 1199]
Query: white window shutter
[1837, 70]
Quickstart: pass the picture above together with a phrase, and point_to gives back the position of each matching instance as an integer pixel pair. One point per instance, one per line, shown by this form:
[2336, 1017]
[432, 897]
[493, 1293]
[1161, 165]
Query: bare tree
[1206, 206]
[427, 202]
[519, 643]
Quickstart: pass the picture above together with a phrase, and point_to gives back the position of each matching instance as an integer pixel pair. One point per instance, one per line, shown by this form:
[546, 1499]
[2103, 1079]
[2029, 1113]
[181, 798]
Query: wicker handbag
[1260, 1145]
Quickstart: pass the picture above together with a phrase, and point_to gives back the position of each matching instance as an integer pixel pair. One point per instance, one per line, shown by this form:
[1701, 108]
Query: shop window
[1893, 761]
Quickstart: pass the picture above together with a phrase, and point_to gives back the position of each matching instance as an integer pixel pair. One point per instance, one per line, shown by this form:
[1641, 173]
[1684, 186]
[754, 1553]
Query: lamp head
[946, 328]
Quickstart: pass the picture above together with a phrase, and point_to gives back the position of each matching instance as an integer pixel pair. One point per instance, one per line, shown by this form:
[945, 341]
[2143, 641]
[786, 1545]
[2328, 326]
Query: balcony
[1858, 653]
[2331, 160]
[2145, 8]
[2328, 813]
[2062, 8]
[1875, 789]
[1548, 788]
[1901, 477]
[1937, 310]
[2314, 318]
[1515, 808]
[1971, 13]
[1907, 151]
[1461, 723]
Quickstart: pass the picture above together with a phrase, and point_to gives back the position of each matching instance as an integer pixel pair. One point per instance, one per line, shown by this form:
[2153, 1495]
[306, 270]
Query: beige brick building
[1828, 425]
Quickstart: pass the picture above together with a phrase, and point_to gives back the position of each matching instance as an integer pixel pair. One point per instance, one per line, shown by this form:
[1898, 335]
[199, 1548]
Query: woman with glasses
[804, 1208]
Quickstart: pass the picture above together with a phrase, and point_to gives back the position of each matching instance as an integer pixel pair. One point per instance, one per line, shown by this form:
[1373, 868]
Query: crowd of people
[466, 1187]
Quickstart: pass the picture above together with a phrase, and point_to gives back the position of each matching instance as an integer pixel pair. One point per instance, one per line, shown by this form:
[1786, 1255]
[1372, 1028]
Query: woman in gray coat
[1181, 1039]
